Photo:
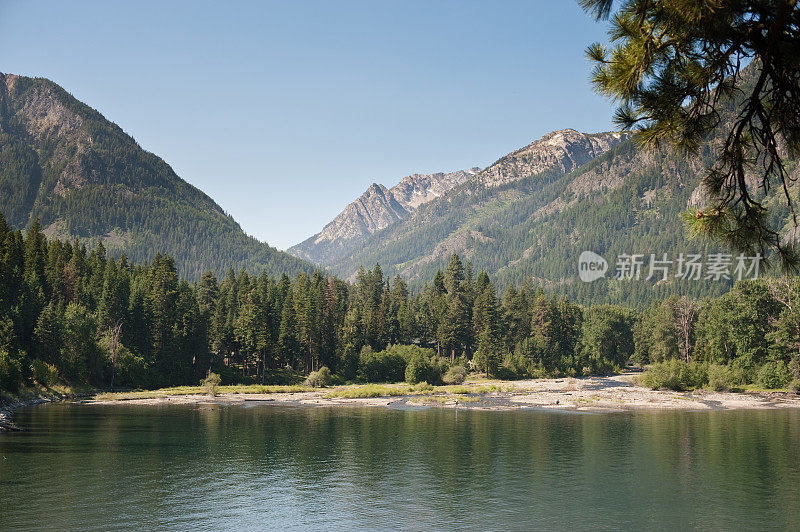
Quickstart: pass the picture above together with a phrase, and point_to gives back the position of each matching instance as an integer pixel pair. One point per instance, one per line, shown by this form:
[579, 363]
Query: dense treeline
[75, 315]
[749, 335]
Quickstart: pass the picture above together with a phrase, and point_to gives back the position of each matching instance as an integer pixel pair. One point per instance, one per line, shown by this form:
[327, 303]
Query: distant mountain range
[452, 212]
[376, 209]
[560, 151]
[528, 216]
[83, 177]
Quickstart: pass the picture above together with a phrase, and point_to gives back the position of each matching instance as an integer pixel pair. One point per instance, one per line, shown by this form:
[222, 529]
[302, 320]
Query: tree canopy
[74, 315]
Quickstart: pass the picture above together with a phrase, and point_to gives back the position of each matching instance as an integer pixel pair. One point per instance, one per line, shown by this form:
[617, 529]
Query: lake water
[268, 467]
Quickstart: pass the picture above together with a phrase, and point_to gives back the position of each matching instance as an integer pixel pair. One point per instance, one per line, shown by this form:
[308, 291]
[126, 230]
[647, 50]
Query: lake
[269, 467]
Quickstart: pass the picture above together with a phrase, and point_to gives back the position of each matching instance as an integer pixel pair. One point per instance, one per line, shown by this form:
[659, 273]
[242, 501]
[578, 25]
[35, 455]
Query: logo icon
[591, 266]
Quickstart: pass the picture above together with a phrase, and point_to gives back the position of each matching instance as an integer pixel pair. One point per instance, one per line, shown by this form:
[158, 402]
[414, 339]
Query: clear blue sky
[284, 112]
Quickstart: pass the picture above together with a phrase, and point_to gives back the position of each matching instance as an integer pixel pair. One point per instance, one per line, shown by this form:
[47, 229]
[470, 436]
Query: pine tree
[82, 358]
[676, 64]
[288, 346]
[113, 306]
[207, 295]
[35, 254]
[454, 329]
[49, 334]
[454, 276]
[161, 304]
[487, 325]
[516, 316]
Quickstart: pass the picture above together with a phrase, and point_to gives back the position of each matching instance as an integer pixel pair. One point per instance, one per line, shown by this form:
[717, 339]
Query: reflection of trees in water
[379, 467]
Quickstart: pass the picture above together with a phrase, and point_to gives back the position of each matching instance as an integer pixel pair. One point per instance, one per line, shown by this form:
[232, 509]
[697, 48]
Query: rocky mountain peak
[414, 190]
[563, 150]
[377, 208]
[39, 109]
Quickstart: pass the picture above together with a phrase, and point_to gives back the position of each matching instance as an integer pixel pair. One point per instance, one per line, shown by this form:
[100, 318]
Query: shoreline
[615, 393]
[607, 394]
[39, 397]
[7, 411]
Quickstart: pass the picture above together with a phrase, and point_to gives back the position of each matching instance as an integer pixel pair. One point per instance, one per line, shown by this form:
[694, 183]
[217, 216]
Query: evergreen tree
[49, 334]
[675, 65]
[80, 351]
[114, 302]
[288, 346]
[606, 338]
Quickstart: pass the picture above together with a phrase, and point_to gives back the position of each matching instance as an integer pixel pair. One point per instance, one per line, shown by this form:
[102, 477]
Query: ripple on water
[183, 467]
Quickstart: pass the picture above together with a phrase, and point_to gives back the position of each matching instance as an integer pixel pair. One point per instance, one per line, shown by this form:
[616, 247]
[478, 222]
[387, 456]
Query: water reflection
[211, 466]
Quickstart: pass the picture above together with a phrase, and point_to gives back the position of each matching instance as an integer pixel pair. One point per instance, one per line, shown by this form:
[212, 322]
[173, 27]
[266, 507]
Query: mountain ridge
[377, 208]
[83, 177]
[563, 149]
[558, 151]
[531, 229]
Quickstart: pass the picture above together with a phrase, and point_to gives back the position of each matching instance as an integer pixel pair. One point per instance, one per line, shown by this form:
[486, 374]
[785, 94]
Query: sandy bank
[593, 394]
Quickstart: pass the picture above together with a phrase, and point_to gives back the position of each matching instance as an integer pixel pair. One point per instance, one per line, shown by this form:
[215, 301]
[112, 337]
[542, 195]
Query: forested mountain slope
[83, 177]
[533, 221]
[380, 208]
[559, 151]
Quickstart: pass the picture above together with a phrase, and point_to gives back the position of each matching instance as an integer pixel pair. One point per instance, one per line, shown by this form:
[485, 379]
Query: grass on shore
[349, 391]
[444, 399]
[361, 391]
[466, 392]
[33, 393]
[263, 389]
